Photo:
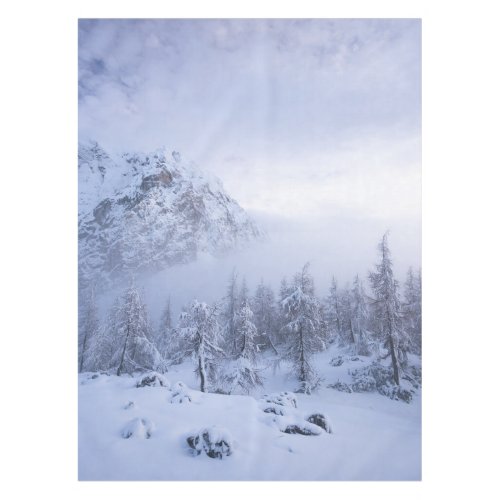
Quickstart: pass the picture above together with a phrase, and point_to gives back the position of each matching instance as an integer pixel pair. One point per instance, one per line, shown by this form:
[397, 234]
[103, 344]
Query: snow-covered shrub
[153, 379]
[413, 375]
[321, 421]
[138, 428]
[337, 361]
[364, 383]
[380, 378]
[340, 386]
[215, 441]
[282, 399]
[396, 392]
[180, 393]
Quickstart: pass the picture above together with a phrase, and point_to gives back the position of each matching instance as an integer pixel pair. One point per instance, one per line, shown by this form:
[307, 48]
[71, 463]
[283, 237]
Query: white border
[39, 117]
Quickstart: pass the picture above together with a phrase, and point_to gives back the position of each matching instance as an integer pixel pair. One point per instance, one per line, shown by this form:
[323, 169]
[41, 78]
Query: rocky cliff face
[140, 213]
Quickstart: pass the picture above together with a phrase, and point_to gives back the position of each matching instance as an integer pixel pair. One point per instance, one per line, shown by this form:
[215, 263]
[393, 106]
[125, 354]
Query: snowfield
[141, 433]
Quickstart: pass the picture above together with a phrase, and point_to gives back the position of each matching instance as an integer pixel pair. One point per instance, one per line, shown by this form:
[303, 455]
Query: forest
[232, 340]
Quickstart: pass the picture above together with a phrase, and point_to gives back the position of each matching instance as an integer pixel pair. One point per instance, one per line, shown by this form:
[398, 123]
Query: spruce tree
[89, 328]
[412, 309]
[242, 372]
[200, 330]
[132, 335]
[387, 309]
[303, 329]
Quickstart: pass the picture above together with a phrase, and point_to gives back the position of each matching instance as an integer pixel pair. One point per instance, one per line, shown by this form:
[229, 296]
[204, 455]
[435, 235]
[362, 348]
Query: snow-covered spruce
[265, 317]
[141, 428]
[242, 373]
[215, 442]
[412, 309]
[125, 345]
[164, 334]
[304, 325]
[387, 314]
[88, 331]
[201, 333]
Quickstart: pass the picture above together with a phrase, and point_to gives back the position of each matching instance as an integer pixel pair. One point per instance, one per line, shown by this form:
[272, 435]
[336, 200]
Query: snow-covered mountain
[140, 213]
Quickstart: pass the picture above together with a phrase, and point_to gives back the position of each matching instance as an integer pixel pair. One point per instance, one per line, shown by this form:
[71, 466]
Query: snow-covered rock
[180, 394]
[138, 428]
[321, 421]
[141, 213]
[215, 441]
[153, 379]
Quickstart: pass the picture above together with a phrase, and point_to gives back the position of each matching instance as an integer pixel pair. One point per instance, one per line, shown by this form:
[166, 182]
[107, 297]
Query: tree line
[232, 340]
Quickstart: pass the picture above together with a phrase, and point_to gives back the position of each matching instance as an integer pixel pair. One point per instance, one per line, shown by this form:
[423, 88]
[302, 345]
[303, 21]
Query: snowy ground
[373, 438]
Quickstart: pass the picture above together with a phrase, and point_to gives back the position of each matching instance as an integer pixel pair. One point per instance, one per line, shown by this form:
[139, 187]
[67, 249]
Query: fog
[332, 246]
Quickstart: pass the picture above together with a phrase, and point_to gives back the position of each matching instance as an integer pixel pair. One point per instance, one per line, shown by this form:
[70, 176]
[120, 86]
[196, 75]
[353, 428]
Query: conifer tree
[89, 328]
[201, 332]
[303, 328]
[412, 309]
[243, 373]
[387, 309]
[132, 336]
[263, 306]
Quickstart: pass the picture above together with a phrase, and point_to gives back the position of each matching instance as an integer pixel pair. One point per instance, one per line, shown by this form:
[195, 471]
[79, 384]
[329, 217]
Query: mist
[333, 247]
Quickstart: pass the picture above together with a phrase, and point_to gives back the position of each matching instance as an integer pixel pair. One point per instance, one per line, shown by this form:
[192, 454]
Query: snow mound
[303, 428]
[180, 394]
[274, 409]
[215, 441]
[153, 379]
[138, 428]
[281, 399]
[321, 421]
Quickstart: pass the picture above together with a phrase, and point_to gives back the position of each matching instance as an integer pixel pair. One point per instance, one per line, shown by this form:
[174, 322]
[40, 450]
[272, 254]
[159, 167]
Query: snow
[373, 437]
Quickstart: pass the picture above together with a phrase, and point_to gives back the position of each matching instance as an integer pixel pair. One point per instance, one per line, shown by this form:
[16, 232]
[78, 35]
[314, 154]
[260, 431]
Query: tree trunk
[120, 367]
[83, 353]
[201, 369]
[394, 359]
[353, 338]
[302, 358]
[392, 348]
[268, 336]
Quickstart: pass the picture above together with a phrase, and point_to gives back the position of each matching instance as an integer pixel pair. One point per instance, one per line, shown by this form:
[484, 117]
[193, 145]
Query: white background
[38, 113]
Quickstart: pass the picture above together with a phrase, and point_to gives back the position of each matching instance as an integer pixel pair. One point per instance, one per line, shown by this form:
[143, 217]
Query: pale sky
[302, 120]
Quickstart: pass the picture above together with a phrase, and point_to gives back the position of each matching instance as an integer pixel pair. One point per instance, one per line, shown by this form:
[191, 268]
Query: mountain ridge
[143, 212]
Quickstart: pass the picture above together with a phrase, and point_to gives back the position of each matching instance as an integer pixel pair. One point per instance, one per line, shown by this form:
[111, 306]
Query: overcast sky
[303, 120]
